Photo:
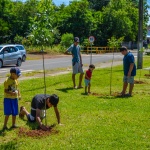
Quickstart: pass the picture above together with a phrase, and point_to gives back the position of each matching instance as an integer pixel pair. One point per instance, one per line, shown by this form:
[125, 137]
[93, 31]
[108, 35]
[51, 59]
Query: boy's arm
[10, 92]
[66, 52]
[81, 60]
[57, 114]
[86, 76]
[130, 69]
[38, 120]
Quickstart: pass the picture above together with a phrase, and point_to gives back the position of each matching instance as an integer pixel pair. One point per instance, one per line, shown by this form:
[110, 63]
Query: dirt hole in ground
[37, 133]
[147, 75]
[97, 94]
[139, 82]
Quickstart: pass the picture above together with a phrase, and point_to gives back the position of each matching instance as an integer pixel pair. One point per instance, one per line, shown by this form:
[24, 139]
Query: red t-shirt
[89, 74]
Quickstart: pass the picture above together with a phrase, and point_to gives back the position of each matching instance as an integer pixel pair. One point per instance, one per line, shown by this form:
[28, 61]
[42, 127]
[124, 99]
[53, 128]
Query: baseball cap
[76, 39]
[16, 71]
[122, 48]
[54, 99]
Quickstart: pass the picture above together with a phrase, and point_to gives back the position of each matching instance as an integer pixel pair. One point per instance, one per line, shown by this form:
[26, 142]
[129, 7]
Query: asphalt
[100, 65]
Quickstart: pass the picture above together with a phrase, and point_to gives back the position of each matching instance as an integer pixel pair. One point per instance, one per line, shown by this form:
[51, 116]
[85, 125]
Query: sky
[58, 2]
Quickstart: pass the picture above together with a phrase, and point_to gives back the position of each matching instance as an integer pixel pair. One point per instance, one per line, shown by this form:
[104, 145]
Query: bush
[66, 40]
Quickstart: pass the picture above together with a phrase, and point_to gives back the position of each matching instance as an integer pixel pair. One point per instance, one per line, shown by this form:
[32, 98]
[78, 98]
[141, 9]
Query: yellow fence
[99, 50]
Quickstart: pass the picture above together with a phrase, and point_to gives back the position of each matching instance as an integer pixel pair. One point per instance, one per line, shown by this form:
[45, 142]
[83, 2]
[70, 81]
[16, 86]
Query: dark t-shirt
[127, 60]
[38, 101]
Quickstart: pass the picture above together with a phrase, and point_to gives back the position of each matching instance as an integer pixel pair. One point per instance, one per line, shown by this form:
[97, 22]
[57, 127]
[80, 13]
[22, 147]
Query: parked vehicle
[10, 55]
[22, 51]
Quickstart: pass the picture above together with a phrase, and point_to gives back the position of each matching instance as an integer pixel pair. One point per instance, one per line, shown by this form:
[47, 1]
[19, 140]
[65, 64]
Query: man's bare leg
[73, 80]
[131, 88]
[125, 85]
[23, 112]
[80, 79]
[5, 121]
[13, 121]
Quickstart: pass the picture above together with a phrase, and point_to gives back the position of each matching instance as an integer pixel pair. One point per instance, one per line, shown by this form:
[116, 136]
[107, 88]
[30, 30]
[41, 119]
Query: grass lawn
[94, 122]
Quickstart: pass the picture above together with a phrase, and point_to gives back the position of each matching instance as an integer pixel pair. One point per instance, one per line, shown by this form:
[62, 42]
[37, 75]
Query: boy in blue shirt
[129, 68]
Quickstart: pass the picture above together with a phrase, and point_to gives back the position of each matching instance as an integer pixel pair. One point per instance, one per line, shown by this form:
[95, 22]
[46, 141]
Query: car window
[1, 48]
[20, 47]
[1, 52]
[6, 49]
[13, 49]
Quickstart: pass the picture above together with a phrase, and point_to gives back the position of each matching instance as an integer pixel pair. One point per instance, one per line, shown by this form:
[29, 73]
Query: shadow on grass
[33, 89]
[12, 145]
[65, 90]
[106, 96]
[3, 131]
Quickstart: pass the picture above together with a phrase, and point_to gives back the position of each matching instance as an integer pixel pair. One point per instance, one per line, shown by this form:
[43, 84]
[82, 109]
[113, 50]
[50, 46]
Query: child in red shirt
[87, 79]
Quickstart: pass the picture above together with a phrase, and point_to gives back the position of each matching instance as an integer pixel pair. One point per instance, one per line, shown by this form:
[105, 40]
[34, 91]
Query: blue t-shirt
[127, 60]
[75, 50]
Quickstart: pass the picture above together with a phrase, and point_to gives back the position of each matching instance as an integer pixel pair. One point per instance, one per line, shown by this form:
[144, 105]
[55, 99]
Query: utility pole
[140, 37]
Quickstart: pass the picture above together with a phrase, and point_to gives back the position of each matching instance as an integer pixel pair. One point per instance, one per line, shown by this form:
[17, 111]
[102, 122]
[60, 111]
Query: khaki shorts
[128, 79]
[77, 68]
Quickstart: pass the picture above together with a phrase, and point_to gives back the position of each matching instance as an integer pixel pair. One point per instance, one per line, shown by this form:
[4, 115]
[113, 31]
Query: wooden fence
[99, 50]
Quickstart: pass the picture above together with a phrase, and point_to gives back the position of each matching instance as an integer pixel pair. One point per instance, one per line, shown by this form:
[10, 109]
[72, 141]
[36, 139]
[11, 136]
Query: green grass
[91, 122]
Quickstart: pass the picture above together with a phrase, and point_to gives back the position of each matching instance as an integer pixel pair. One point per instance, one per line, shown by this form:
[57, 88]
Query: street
[63, 62]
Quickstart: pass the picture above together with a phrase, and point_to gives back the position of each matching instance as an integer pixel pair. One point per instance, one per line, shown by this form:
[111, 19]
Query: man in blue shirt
[76, 62]
[129, 71]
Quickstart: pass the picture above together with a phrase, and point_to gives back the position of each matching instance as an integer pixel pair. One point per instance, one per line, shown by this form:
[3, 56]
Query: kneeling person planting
[39, 103]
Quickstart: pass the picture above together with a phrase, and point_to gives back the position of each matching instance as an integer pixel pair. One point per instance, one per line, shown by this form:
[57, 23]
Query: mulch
[37, 133]
[139, 82]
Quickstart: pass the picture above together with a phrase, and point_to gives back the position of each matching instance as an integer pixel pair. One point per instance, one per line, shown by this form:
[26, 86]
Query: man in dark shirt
[129, 68]
[39, 104]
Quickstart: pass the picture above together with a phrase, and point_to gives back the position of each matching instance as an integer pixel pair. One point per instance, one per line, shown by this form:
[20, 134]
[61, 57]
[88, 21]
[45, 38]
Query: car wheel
[19, 62]
[23, 58]
[1, 64]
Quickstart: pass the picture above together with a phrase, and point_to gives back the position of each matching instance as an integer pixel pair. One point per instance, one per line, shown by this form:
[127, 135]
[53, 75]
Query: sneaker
[75, 87]
[14, 126]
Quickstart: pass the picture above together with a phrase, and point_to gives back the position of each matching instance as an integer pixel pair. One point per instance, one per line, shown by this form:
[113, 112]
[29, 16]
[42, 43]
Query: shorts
[77, 68]
[31, 118]
[128, 79]
[10, 106]
[87, 82]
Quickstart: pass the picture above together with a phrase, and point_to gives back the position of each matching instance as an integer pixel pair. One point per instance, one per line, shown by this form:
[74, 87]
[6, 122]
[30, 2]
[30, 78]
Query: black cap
[76, 39]
[122, 48]
[16, 71]
[54, 99]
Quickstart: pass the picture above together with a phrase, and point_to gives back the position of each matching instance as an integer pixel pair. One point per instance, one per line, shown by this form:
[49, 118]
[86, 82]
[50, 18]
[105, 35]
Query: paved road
[63, 62]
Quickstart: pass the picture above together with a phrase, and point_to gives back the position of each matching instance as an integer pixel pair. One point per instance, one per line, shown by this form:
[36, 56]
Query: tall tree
[75, 18]
[42, 24]
[98, 5]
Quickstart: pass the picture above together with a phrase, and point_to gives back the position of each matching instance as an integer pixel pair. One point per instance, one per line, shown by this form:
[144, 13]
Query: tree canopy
[42, 22]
